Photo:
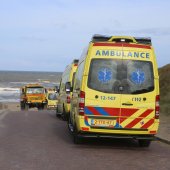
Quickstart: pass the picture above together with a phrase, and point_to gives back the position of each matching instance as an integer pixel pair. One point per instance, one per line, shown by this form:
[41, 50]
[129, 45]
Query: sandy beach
[11, 106]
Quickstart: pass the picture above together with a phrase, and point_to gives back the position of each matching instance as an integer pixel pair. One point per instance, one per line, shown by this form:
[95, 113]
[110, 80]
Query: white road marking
[3, 113]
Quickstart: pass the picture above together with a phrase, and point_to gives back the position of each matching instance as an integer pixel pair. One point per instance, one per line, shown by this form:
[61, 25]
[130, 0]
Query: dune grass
[164, 77]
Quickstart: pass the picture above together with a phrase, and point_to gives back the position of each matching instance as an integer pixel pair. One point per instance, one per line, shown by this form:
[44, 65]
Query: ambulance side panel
[62, 94]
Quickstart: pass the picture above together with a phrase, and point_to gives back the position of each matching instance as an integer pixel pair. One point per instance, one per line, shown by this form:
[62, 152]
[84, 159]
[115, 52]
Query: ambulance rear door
[138, 95]
[102, 95]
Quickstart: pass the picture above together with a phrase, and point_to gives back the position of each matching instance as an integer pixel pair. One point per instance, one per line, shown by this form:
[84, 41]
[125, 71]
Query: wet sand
[11, 106]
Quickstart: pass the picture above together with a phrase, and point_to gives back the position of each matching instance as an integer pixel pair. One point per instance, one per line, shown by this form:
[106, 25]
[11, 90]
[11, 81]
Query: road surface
[37, 140]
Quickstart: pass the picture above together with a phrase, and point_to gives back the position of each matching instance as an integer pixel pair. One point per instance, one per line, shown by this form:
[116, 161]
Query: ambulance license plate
[103, 122]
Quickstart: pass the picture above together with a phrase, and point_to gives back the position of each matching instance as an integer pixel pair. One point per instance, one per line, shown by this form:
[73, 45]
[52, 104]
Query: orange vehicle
[33, 95]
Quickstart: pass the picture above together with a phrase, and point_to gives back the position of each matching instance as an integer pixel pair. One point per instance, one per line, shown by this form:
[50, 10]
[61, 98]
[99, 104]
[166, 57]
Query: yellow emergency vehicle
[51, 99]
[64, 98]
[116, 90]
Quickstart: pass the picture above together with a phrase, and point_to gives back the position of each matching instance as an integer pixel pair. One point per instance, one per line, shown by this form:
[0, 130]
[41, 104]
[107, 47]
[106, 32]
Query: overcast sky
[46, 35]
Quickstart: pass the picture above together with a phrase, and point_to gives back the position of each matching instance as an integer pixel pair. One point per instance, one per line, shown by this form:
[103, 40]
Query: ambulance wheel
[63, 115]
[70, 125]
[144, 142]
[76, 138]
[56, 112]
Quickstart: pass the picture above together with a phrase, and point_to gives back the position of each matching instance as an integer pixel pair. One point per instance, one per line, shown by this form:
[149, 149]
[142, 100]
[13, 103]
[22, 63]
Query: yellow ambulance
[116, 90]
[64, 98]
[51, 99]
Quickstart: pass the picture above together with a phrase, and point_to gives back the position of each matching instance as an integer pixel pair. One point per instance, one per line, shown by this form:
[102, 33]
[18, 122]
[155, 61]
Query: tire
[144, 142]
[63, 115]
[57, 115]
[76, 139]
[22, 106]
[26, 106]
[73, 131]
[40, 107]
[44, 107]
[70, 125]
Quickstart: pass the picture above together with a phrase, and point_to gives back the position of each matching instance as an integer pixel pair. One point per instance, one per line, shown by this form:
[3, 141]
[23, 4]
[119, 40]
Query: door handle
[127, 104]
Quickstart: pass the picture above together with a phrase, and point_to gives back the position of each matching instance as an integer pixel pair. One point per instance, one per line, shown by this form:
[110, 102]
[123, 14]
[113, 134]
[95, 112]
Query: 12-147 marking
[107, 97]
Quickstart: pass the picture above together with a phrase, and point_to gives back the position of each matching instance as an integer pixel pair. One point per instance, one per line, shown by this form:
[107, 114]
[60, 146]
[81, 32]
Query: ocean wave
[9, 94]
[9, 100]
[9, 89]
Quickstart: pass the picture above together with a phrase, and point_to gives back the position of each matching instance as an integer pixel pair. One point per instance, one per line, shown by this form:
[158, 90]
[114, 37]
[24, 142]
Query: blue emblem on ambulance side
[138, 76]
[104, 75]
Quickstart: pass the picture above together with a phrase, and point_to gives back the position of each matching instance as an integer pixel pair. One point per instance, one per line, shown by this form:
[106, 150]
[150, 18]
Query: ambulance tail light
[75, 62]
[68, 99]
[157, 107]
[81, 103]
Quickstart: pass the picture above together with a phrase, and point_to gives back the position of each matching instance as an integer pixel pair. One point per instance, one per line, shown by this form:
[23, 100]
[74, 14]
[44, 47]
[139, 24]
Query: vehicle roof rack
[143, 40]
[98, 38]
[124, 39]
[75, 61]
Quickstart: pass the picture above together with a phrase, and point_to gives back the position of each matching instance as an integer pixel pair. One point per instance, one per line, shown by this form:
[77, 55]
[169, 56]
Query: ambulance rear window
[52, 96]
[121, 76]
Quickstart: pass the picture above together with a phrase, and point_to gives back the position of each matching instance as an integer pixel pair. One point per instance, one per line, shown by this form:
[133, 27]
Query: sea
[12, 81]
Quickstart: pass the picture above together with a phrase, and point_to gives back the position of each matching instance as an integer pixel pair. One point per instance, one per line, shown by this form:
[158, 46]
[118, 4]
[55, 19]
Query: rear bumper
[84, 127]
[116, 136]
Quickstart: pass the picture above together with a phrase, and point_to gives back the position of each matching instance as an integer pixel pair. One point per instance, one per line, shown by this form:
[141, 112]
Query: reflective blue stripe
[87, 111]
[117, 125]
[86, 123]
[101, 111]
